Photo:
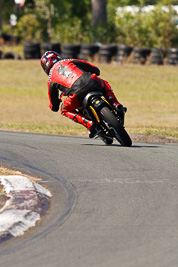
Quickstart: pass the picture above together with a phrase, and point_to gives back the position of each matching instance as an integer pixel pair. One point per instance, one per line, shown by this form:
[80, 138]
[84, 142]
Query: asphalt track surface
[111, 205]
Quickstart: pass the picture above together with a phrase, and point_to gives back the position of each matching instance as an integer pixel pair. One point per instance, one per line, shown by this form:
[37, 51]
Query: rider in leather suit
[74, 78]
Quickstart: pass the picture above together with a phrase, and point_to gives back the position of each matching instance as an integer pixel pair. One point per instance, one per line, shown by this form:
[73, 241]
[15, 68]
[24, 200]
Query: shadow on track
[118, 145]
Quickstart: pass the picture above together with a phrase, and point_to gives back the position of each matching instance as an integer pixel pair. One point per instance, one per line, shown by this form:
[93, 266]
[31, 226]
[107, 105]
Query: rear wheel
[118, 130]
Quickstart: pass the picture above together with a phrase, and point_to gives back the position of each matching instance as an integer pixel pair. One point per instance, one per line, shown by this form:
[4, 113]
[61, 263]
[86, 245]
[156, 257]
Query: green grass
[149, 92]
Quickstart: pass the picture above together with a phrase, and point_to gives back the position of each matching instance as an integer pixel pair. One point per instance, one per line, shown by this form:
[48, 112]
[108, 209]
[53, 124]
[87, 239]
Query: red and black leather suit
[75, 78]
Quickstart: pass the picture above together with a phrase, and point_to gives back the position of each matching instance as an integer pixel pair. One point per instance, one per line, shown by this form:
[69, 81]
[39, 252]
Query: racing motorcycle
[109, 123]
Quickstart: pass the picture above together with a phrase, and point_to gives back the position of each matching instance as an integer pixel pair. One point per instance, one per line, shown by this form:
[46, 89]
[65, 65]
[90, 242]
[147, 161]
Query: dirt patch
[157, 139]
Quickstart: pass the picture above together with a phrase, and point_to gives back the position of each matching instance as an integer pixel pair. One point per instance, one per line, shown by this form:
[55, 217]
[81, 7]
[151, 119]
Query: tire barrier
[123, 52]
[141, 55]
[107, 52]
[156, 56]
[1, 54]
[70, 50]
[51, 47]
[173, 57]
[103, 53]
[32, 50]
[7, 38]
[11, 55]
[88, 51]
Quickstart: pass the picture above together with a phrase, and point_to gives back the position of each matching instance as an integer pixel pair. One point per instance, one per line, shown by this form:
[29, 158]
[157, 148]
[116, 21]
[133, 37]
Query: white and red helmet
[49, 59]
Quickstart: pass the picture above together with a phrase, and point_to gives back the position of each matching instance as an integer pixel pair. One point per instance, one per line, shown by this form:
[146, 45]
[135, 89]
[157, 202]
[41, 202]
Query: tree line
[88, 21]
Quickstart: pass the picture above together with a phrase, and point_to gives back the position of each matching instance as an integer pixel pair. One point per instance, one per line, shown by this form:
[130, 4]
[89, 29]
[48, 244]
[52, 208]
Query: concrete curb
[27, 202]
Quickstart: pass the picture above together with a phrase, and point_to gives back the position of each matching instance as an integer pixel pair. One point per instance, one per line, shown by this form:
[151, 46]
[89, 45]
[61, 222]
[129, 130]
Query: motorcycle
[109, 123]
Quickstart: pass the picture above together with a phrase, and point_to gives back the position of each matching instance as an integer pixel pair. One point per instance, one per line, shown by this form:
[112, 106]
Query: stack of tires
[32, 50]
[70, 50]
[54, 46]
[123, 52]
[11, 55]
[156, 56]
[140, 55]
[1, 54]
[173, 56]
[88, 51]
[107, 52]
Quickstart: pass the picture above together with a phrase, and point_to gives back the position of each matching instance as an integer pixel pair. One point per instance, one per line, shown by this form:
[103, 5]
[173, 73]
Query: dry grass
[4, 171]
[149, 92]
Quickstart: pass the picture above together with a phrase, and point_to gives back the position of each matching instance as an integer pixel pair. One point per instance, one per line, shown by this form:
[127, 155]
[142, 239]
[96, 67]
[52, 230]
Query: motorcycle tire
[119, 131]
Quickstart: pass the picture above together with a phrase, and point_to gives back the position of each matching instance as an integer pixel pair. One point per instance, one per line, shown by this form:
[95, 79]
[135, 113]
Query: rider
[74, 78]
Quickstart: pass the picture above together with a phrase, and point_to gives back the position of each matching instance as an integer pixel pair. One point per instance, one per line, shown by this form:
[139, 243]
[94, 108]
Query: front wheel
[119, 131]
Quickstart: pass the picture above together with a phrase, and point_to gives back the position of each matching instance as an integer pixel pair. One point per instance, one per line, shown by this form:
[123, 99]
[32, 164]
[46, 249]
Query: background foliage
[70, 21]
[156, 28]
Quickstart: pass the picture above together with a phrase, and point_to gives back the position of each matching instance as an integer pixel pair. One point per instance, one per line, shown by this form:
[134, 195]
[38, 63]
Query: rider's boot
[110, 96]
[92, 131]
[96, 130]
[80, 118]
[93, 128]
[107, 139]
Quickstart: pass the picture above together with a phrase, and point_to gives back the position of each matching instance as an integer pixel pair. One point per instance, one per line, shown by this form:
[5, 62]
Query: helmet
[49, 59]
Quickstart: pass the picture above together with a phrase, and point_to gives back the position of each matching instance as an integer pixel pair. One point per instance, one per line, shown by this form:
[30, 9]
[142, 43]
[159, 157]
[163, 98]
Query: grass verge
[149, 92]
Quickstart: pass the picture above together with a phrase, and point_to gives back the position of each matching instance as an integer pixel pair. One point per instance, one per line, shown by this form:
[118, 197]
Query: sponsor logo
[63, 70]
